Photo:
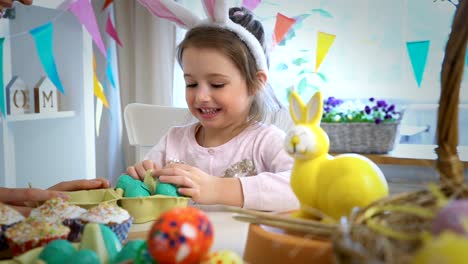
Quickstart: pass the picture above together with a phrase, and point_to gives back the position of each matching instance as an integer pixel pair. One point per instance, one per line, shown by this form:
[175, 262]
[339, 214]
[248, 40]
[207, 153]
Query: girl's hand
[138, 171]
[193, 182]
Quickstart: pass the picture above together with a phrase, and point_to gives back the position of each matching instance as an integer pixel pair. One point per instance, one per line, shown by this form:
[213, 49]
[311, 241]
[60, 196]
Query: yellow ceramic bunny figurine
[333, 185]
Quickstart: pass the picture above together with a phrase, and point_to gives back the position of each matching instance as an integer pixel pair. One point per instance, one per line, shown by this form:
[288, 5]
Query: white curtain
[146, 60]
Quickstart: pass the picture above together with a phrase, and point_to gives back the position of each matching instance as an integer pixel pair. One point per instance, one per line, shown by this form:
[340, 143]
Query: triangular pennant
[109, 72]
[417, 51]
[83, 10]
[251, 4]
[106, 4]
[324, 42]
[282, 26]
[43, 37]
[98, 90]
[2, 92]
[110, 29]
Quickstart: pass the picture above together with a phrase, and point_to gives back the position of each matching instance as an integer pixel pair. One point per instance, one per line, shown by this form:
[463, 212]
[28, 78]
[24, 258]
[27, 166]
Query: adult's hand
[20, 197]
[76, 185]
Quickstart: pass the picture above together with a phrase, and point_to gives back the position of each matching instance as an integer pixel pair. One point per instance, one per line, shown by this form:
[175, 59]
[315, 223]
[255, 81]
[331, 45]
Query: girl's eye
[218, 85]
[191, 85]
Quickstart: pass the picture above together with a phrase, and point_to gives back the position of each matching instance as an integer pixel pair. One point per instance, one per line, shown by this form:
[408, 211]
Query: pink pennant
[83, 10]
[251, 4]
[110, 29]
[160, 10]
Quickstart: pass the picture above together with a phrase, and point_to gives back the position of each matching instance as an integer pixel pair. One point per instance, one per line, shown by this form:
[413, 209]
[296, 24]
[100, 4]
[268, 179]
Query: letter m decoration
[45, 96]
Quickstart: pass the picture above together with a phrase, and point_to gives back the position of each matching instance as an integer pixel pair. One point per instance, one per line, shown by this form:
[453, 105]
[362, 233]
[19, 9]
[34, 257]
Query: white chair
[146, 124]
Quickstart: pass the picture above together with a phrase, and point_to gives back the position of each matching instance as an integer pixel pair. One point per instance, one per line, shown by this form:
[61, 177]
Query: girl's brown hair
[229, 44]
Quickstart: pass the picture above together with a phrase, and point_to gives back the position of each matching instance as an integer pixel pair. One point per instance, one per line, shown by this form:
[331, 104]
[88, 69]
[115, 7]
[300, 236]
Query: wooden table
[414, 155]
[228, 233]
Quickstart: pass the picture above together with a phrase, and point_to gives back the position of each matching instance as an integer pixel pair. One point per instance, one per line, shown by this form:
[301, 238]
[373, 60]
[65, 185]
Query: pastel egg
[132, 187]
[166, 189]
[180, 235]
[102, 240]
[143, 256]
[448, 247]
[453, 217]
[57, 251]
[129, 251]
[222, 257]
[84, 256]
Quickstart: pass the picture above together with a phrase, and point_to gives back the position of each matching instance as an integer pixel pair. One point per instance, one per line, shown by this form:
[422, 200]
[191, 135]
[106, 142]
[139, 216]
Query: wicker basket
[362, 137]
[383, 232]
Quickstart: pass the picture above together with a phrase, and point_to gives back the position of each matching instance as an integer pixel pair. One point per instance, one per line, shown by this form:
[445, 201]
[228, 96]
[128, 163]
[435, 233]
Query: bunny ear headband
[218, 16]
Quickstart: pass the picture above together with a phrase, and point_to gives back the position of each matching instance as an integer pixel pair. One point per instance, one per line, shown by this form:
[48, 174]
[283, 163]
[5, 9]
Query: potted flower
[362, 127]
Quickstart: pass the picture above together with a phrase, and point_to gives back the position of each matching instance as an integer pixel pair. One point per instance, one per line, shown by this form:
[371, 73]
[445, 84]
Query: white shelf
[38, 116]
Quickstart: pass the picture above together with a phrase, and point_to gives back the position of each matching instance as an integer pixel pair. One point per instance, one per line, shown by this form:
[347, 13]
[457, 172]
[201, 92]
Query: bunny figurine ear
[217, 10]
[172, 11]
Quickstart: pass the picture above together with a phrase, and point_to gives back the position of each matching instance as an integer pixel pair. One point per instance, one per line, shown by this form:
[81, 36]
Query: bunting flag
[282, 26]
[2, 92]
[109, 71]
[43, 37]
[83, 10]
[110, 29]
[417, 51]
[251, 4]
[324, 42]
[106, 4]
[98, 90]
[466, 57]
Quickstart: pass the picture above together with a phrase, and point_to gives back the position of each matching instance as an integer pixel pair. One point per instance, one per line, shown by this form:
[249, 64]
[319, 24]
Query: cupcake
[59, 210]
[8, 217]
[116, 218]
[32, 233]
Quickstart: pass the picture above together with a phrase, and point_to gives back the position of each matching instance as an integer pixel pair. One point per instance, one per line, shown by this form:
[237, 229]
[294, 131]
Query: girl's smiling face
[216, 92]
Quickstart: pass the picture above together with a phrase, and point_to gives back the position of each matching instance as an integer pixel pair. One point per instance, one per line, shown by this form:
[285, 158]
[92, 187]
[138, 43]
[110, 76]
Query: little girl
[230, 156]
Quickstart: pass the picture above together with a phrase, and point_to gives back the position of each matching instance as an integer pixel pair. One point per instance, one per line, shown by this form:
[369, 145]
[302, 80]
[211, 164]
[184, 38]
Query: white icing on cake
[57, 209]
[9, 216]
[106, 213]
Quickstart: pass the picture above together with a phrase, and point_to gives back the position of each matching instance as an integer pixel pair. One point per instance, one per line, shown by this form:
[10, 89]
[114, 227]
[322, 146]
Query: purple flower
[372, 99]
[327, 109]
[391, 108]
[367, 109]
[381, 103]
[378, 120]
[387, 116]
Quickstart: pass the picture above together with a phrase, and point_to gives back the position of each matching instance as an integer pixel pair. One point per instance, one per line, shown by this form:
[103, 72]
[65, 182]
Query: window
[368, 58]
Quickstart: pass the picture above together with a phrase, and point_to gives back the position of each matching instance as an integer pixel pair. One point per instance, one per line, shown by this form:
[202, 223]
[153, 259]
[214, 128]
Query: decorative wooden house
[17, 94]
[45, 96]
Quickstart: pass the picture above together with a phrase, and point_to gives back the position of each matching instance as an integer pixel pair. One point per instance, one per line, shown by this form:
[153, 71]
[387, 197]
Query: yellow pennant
[98, 90]
[324, 42]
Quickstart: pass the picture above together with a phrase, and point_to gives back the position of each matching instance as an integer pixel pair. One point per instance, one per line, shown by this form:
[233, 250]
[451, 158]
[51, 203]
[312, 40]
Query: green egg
[143, 256]
[136, 189]
[57, 251]
[129, 251]
[124, 180]
[84, 256]
[166, 189]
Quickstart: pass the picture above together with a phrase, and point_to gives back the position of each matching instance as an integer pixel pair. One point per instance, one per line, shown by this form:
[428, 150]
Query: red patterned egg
[222, 257]
[180, 235]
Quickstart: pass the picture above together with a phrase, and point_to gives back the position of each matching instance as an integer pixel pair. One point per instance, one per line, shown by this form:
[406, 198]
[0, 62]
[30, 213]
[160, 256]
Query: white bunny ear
[296, 107]
[217, 10]
[315, 109]
[172, 11]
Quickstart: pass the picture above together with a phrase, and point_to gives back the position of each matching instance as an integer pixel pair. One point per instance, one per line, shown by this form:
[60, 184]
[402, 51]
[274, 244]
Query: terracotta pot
[275, 246]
